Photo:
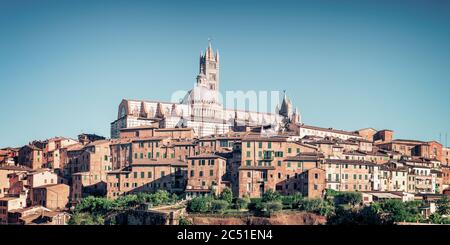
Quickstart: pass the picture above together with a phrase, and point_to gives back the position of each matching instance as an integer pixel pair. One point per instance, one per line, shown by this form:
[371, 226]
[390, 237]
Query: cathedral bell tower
[209, 69]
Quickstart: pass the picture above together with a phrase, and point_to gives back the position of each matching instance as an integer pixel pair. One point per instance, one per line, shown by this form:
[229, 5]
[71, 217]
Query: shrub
[271, 196]
[255, 205]
[293, 201]
[241, 203]
[351, 198]
[199, 205]
[317, 206]
[184, 221]
[272, 207]
[219, 206]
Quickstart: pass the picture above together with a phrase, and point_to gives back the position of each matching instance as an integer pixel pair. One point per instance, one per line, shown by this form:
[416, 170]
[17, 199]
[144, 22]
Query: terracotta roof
[205, 155]
[351, 162]
[16, 168]
[164, 161]
[138, 127]
[53, 187]
[338, 131]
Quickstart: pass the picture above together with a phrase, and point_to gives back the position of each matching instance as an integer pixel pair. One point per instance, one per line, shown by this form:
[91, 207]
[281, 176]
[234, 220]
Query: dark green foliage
[317, 206]
[93, 210]
[96, 205]
[86, 219]
[184, 221]
[219, 206]
[241, 203]
[272, 207]
[398, 211]
[293, 201]
[271, 196]
[199, 204]
[351, 216]
[443, 206]
[351, 198]
[226, 195]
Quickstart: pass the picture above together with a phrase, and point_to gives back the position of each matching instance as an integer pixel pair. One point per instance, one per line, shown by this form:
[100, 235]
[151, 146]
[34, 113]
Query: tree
[219, 206]
[242, 203]
[352, 198]
[292, 201]
[317, 206]
[199, 205]
[96, 205]
[443, 206]
[86, 219]
[436, 218]
[271, 196]
[226, 195]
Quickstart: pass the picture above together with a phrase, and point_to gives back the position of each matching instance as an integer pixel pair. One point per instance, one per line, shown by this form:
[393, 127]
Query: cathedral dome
[200, 94]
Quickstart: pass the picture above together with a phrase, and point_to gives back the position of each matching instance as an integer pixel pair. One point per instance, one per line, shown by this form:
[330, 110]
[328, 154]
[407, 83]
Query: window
[200, 174]
[248, 144]
[149, 155]
[315, 187]
[192, 173]
[248, 162]
[163, 173]
[106, 157]
[259, 153]
[135, 175]
[157, 154]
[279, 163]
[260, 145]
[289, 164]
[316, 176]
[193, 162]
[269, 145]
[135, 155]
[212, 162]
[289, 150]
[299, 164]
[142, 155]
[142, 175]
[298, 150]
[248, 154]
[354, 176]
[249, 174]
[149, 175]
[211, 172]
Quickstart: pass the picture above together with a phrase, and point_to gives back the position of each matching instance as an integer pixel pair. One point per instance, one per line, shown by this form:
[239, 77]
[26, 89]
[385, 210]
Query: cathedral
[201, 109]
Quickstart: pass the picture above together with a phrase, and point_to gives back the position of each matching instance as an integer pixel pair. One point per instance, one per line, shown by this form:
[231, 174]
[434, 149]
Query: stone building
[147, 176]
[54, 197]
[351, 175]
[206, 174]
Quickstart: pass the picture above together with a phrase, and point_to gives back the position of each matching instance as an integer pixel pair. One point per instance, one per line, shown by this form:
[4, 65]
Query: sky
[66, 65]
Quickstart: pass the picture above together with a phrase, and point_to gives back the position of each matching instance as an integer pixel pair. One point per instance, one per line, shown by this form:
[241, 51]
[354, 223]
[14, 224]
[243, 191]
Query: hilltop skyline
[347, 66]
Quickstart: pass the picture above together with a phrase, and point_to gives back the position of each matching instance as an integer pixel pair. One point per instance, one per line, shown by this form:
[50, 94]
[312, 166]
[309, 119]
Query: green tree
[242, 203]
[219, 206]
[271, 196]
[96, 205]
[351, 198]
[86, 219]
[199, 204]
[292, 201]
[226, 195]
[443, 205]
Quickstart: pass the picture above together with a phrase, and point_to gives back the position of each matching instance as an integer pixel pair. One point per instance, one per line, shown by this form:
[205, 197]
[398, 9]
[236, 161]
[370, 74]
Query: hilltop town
[201, 157]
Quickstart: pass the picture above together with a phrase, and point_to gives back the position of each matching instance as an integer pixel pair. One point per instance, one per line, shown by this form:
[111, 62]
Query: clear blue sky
[66, 65]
